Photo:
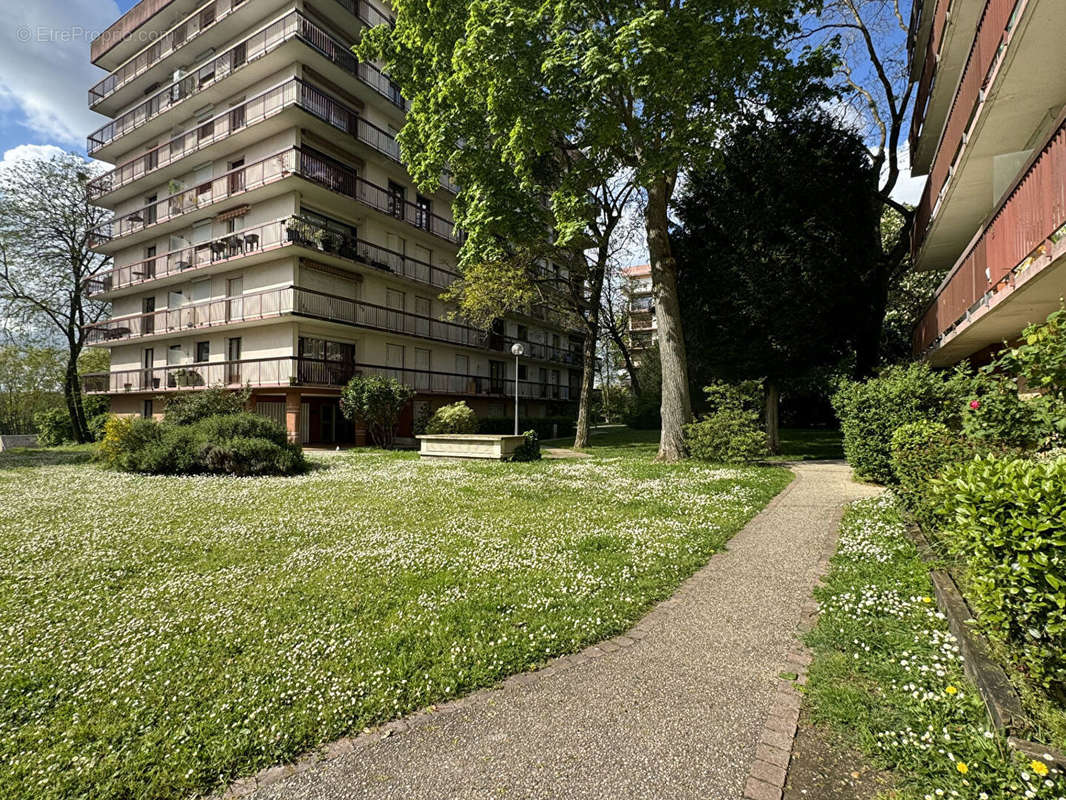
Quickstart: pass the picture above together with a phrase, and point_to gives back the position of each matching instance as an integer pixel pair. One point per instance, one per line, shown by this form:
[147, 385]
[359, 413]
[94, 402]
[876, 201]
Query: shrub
[996, 413]
[732, 431]
[376, 402]
[644, 413]
[871, 411]
[529, 450]
[98, 426]
[189, 407]
[921, 451]
[456, 418]
[425, 414]
[53, 427]
[1008, 522]
[232, 444]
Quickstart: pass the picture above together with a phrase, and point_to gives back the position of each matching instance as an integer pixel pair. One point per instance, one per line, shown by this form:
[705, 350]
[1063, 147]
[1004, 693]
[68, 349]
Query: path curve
[674, 709]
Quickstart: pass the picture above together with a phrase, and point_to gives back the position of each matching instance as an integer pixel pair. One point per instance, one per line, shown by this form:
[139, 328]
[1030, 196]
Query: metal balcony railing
[292, 231]
[293, 26]
[299, 371]
[1029, 222]
[291, 93]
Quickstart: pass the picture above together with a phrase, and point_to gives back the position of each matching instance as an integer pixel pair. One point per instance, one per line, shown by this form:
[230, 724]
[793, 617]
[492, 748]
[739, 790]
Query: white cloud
[27, 152]
[45, 72]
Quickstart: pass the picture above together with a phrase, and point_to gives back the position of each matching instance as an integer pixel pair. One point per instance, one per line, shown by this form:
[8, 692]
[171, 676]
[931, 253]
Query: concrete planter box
[470, 445]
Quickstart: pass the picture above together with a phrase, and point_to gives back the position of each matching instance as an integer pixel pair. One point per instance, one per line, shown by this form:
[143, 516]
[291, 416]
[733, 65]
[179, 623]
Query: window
[523, 372]
[396, 198]
[149, 210]
[236, 116]
[148, 309]
[147, 410]
[423, 212]
[236, 178]
[203, 352]
[149, 262]
[233, 349]
[523, 333]
[497, 376]
[394, 356]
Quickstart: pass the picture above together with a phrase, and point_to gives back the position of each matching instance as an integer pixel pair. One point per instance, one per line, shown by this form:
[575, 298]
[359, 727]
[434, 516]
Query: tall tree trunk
[584, 408]
[588, 352]
[72, 395]
[676, 407]
[773, 407]
[627, 357]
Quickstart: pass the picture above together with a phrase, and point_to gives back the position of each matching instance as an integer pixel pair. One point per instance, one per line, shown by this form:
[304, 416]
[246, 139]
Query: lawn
[888, 679]
[163, 636]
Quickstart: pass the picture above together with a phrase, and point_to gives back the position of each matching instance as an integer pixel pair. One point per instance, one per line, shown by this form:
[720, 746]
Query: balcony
[292, 27]
[163, 161]
[165, 215]
[187, 31]
[255, 306]
[294, 371]
[259, 243]
[1012, 272]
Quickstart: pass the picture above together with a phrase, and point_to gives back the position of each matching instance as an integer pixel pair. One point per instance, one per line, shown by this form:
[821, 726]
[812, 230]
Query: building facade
[266, 234]
[989, 130]
[643, 330]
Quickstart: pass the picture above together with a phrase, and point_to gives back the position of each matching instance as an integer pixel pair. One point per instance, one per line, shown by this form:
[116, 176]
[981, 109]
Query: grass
[888, 679]
[165, 635]
[810, 444]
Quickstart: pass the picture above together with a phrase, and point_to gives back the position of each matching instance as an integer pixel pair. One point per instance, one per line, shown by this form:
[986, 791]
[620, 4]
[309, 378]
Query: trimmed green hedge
[1007, 521]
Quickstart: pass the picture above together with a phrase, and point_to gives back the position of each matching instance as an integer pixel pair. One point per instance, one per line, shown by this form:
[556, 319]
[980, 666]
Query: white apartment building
[266, 234]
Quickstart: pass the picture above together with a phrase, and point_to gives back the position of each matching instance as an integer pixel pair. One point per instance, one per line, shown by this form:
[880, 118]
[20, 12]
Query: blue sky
[45, 72]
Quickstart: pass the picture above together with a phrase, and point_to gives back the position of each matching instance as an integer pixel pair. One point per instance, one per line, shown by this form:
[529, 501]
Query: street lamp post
[518, 350]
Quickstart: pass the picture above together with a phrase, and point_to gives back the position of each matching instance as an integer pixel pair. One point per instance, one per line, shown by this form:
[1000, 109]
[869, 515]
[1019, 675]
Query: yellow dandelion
[951, 690]
[961, 767]
[1039, 767]
[927, 599]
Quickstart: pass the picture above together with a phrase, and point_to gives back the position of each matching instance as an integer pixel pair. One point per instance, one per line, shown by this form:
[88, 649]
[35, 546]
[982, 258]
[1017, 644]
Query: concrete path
[676, 712]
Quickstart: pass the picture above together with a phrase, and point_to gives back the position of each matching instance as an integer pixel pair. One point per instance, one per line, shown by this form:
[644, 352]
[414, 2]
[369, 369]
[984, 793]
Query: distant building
[989, 129]
[643, 330]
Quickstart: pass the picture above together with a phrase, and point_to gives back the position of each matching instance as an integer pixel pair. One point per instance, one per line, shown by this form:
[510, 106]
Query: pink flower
[975, 404]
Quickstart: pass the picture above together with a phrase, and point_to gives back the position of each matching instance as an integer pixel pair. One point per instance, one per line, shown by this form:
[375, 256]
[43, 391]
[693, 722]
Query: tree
[633, 87]
[46, 220]
[30, 381]
[377, 403]
[774, 262]
[871, 36]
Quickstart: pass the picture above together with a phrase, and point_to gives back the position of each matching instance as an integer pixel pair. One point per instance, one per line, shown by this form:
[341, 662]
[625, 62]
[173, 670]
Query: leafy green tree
[635, 88]
[46, 219]
[30, 381]
[377, 403]
[773, 255]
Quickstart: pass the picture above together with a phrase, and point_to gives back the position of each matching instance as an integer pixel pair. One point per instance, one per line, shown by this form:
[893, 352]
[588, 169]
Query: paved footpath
[676, 711]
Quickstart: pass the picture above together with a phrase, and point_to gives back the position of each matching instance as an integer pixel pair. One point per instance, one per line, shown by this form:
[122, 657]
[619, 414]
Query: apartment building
[989, 130]
[643, 331]
[266, 234]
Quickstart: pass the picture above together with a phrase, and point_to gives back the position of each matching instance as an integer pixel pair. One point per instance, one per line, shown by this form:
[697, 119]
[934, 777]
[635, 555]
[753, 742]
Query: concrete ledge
[495, 447]
[19, 440]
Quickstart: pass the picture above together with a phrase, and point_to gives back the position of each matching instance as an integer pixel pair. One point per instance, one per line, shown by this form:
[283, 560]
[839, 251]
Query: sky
[45, 73]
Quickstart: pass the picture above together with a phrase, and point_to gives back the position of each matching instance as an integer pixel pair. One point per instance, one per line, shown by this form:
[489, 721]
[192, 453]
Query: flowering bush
[456, 418]
[888, 676]
[1007, 521]
[997, 414]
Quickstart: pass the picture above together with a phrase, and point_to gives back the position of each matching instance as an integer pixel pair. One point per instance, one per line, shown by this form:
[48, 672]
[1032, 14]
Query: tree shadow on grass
[46, 456]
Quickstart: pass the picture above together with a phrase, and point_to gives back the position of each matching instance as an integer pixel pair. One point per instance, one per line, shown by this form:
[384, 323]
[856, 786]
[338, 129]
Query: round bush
[456, 418]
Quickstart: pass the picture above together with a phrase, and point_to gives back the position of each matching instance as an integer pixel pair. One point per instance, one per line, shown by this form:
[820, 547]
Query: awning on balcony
[233, 213]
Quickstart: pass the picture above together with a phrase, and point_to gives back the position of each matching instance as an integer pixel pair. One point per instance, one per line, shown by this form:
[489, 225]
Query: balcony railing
[1030, 220]
[202, 19]
[291, 93]
[544, 352]
[990, 43]
[292, 26]
[298, 371]
[925, 85]
[292, 231]
[231, 184]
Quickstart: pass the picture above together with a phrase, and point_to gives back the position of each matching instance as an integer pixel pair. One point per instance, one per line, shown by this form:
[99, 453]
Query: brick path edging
[769, 771]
